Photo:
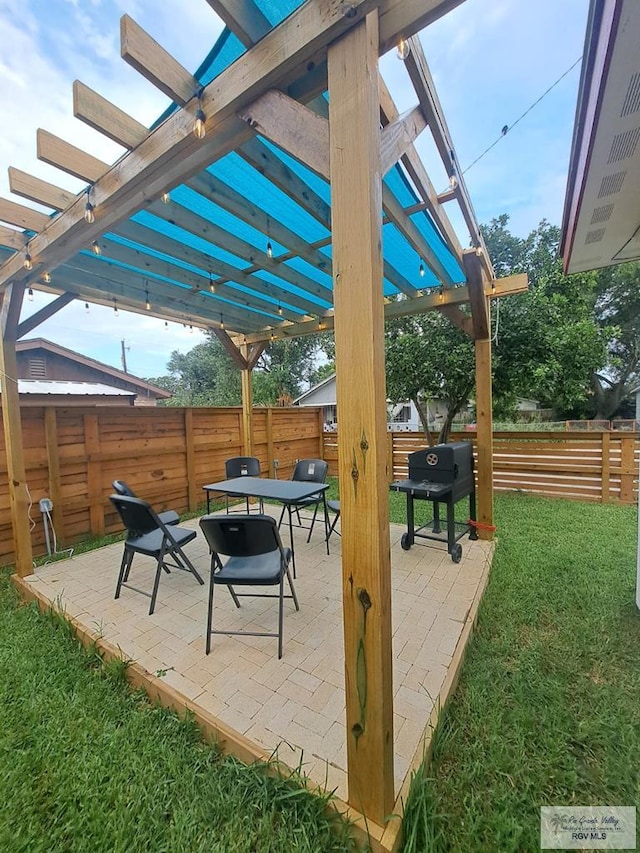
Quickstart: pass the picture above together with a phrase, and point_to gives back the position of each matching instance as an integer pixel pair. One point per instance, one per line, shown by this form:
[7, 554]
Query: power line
[507, 128]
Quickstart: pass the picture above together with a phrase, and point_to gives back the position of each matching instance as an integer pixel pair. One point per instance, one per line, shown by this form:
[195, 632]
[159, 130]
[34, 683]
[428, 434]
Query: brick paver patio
[294, 705]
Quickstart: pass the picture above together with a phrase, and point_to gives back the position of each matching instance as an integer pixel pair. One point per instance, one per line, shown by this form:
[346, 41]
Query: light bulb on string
[403, 49]
[28, 263]
[89, 215]
[221, 322]
[165, 198]
[86, 308]
[95, 247]
[421, 270]
[212, 285]
[190, 329]
[199, 127]
[30, 294]
[115, 307]
[280, 311]
[166, 326]
[147, 304]
[269, 249]
[46, 277]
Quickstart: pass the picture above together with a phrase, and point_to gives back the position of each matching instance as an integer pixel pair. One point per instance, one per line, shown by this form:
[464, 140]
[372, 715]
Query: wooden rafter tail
[243, 18]
[69, 158]
[156, 64]
[35, 189]
[105, 117]
[22, 216]
[418, 174]
[420, 75]
[477, 299]
[12, 239]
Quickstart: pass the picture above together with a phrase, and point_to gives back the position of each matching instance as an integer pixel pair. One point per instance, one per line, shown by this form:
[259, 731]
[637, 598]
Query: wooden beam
[458, 318]
[12, 422]
[238, 358]
[43, 314]
[243, 18]
[13, 239]
[484, 439]
[292, 126]
[403, 18]
[420, 75]
[22, 216]
[247, 404]
[255, 351]
[396, 138]
[171, 153]
[105, 117]
[63, 155]
[356, 189]
[157, 65]
[35, 189]
[477, 299]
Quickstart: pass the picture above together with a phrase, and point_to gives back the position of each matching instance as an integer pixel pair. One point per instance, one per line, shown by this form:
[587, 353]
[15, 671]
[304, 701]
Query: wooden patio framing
[273, 92]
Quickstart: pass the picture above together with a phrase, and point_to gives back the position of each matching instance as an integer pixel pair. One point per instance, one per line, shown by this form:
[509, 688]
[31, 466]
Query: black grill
[440, 474]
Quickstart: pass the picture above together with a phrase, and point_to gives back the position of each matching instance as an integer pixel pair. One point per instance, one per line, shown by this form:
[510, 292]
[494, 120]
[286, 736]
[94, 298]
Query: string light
[147, 304]
[403, 49]
[86, 308]
[453, 183]
[221, 322]
[166, 326]
[479, 251]
[269, 249]
[190, 329]
[199, 128]
[95, 246]
[115, 307]
[421, 270]
[28, 263]
[46, 277]
[280, 311]
[212, 286]
[165, 198]
[30, 294]
[89, 215]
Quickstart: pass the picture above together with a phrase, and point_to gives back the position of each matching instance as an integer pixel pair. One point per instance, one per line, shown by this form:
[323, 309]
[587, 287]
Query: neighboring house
[401, 417]
[50, 374]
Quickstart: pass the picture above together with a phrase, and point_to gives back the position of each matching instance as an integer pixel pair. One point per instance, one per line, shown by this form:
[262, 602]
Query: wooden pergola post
[18, 491]
[247, 403]
[484, 403]
[356, 193]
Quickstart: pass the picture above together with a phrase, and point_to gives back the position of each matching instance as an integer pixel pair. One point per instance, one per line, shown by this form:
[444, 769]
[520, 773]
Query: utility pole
[123, 357]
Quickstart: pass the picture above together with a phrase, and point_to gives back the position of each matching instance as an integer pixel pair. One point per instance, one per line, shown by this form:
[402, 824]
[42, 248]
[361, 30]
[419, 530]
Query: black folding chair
[308, 471]
[242, 466]
[148, 534]
[256, 557]
[333, 506]
[169, 516]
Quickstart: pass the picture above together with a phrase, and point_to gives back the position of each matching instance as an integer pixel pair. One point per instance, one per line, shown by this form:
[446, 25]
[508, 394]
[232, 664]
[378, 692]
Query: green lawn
[547, 711]
[87, 765]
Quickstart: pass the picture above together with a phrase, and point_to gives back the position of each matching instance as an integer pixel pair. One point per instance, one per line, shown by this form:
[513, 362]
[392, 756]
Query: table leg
[326, 521]
[208, 501]
[293, 552]
[410, 522]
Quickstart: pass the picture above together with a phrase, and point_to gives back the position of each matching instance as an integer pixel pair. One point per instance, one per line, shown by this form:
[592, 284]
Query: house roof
[243, 244]
[55, 387]
[310, 391]
[601, 221]
[57, 349]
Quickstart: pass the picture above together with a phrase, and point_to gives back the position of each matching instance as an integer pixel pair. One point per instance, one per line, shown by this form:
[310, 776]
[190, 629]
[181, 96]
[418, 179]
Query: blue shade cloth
[270, 220]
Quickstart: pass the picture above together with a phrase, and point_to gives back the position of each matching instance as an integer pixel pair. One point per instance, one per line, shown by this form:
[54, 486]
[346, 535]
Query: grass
[547, 711]
[88, 765]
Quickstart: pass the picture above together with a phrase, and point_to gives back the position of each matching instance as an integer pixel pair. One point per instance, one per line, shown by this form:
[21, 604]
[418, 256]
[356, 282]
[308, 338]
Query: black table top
[286, 491]
[422, 488]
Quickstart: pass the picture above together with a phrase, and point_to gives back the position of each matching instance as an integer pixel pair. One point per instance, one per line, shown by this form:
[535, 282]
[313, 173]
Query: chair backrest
[242, 466]
[241, 535]
[310, 471]
[122, 489]
[136, 514]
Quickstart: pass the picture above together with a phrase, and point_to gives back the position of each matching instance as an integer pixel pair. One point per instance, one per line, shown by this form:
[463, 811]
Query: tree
[428, 357]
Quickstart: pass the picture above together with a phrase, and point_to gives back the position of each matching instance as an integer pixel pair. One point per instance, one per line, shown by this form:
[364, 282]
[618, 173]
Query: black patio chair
[308, 471]
[242, 466]
[256, 557]
[333, 506]
[169, 516]
[148, 534]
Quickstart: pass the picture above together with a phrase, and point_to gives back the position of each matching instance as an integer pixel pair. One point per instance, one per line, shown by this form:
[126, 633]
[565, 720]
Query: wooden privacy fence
[588, 466]
[166, 455]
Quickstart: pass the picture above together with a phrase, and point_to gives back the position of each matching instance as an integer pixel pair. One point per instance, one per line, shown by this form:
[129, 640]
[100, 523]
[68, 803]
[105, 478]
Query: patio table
[287, 492]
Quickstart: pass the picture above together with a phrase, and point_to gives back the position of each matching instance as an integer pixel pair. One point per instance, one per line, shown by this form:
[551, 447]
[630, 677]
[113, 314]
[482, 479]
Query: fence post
[628, 468]
[192, 498]
[53, 463]
[94, 474]
[606, 467]
[320, 433]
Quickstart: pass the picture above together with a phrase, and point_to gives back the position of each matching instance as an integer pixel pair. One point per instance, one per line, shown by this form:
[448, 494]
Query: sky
[491, 61]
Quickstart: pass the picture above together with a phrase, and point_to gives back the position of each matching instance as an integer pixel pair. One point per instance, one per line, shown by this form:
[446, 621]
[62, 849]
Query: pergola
[280, 195]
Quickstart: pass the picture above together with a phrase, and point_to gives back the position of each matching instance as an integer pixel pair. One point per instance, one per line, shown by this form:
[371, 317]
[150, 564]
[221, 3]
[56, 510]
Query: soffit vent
[37, 368]
[624, 145]
[631, 103]
[601, 214]
[594, 236]
[611, 184]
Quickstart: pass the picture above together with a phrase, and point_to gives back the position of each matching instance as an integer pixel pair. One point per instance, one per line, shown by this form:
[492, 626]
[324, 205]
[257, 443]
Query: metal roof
[57, 387]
